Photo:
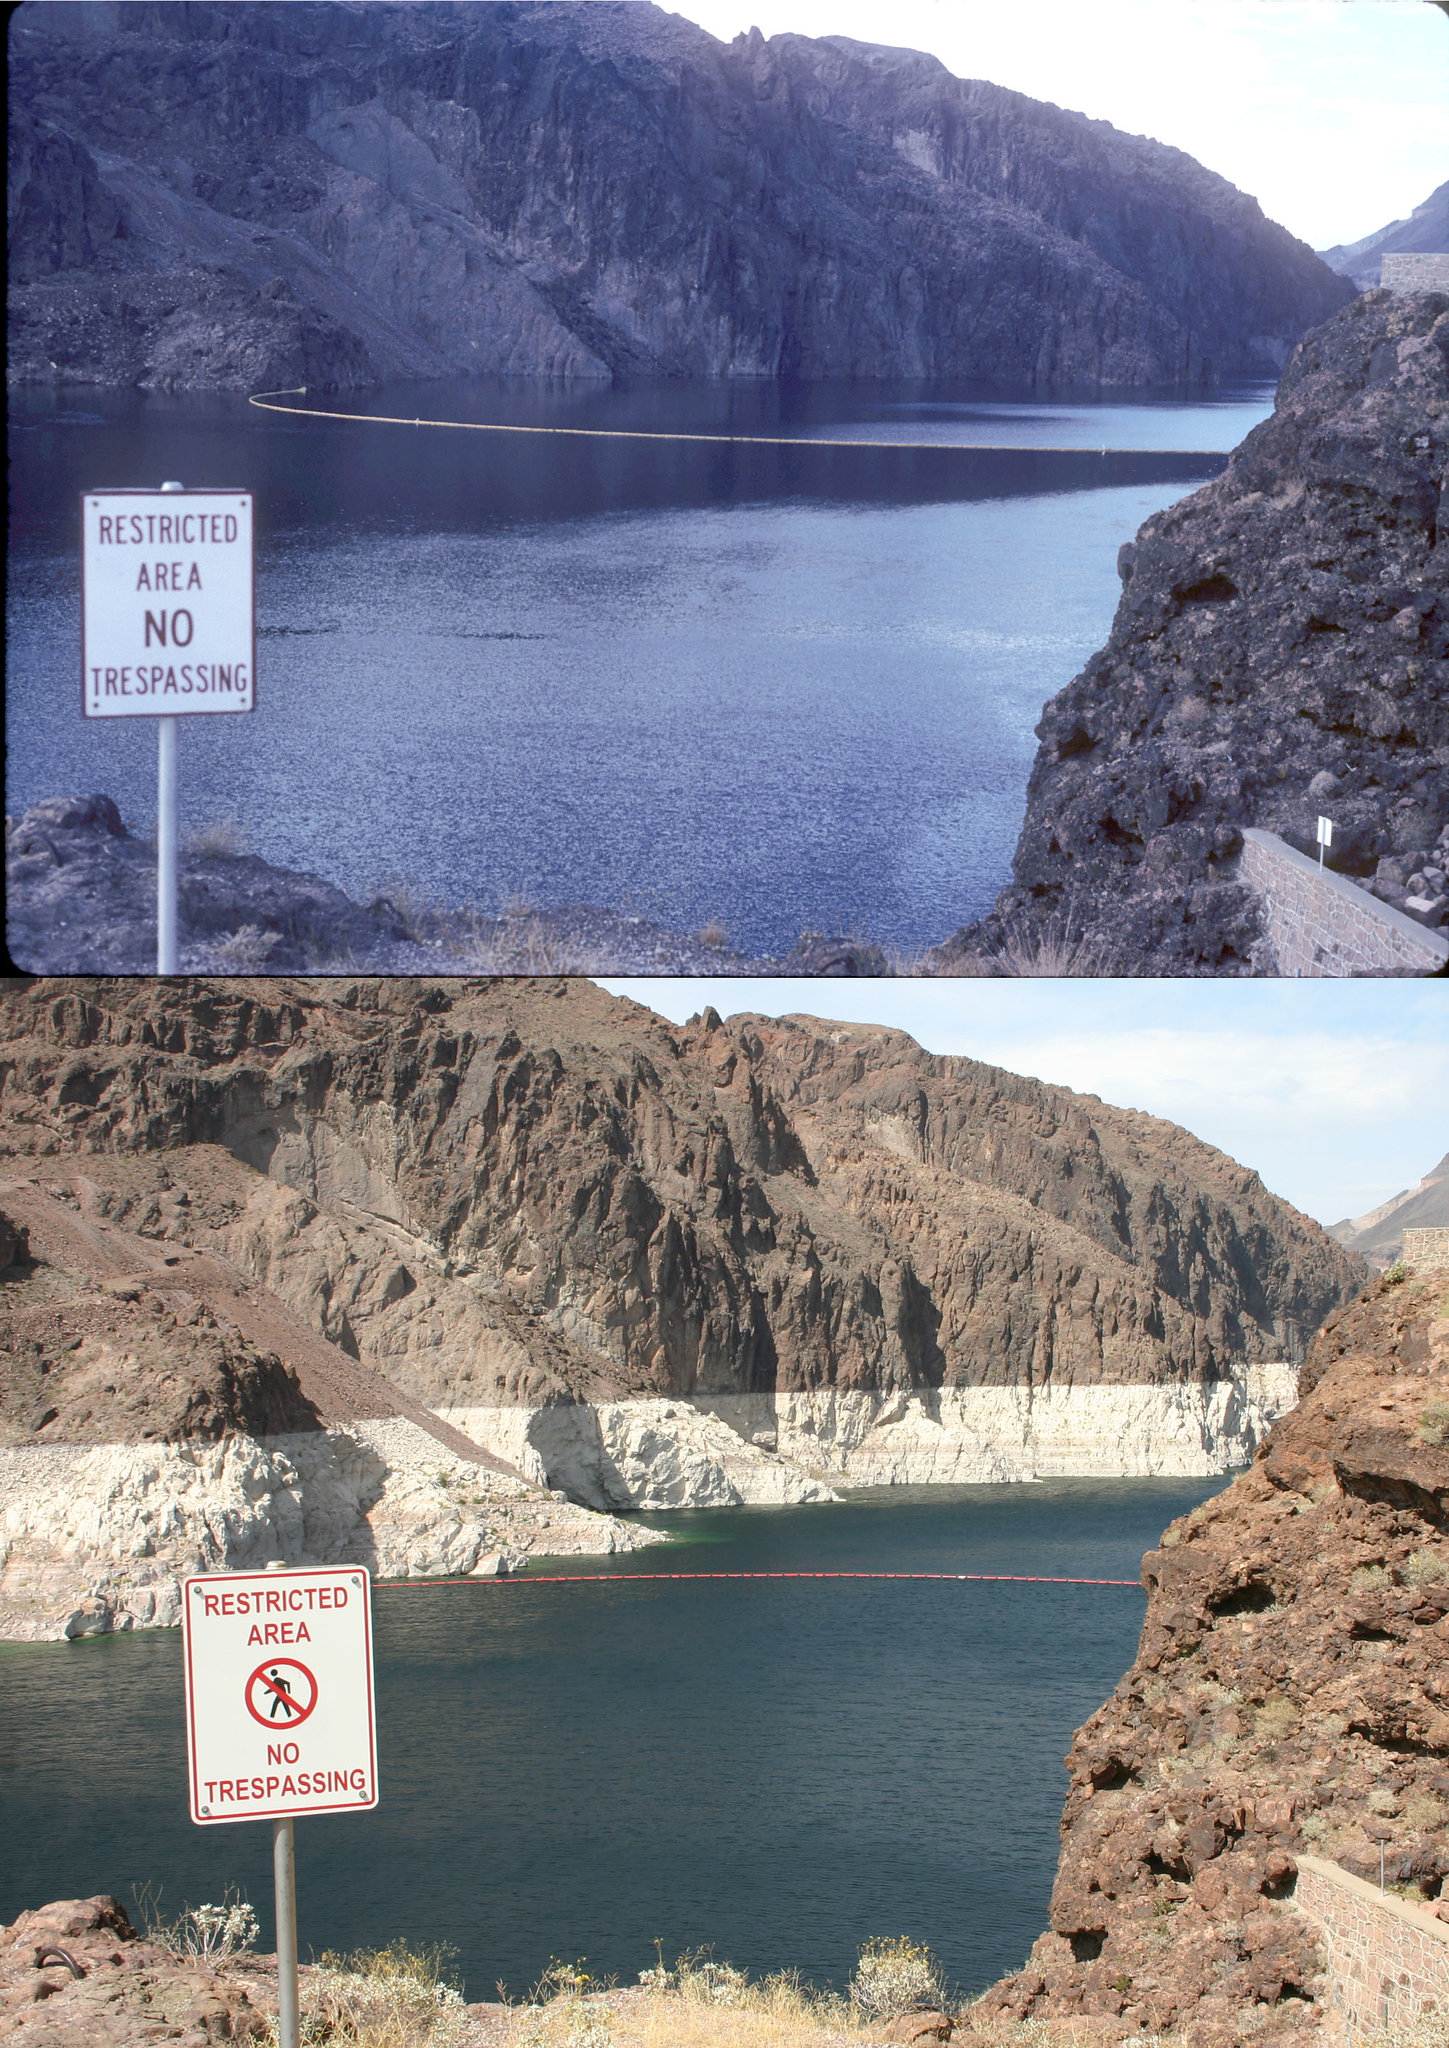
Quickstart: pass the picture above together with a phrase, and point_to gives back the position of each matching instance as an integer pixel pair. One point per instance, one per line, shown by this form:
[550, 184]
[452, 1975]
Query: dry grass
[631, 2019]
[221, 839]
[1052, 954]
[712, 934]
[523, 945]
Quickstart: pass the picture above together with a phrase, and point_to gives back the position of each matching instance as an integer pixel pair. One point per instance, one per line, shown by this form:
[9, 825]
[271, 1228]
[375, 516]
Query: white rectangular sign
[167, 610]
[279, 1714]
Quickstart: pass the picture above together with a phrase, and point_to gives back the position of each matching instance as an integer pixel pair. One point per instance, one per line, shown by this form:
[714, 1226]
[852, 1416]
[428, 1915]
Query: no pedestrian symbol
[279, 1705]
[281, 1694]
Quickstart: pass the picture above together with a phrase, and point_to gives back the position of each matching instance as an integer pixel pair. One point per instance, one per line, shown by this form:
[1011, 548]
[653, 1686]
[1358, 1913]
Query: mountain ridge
[596, 191]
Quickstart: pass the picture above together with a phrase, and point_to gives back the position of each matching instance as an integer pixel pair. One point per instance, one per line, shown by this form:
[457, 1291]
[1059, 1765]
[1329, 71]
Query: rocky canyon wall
[1290, 1699]
[1280, 652]
[743, 1261]
[215, 196]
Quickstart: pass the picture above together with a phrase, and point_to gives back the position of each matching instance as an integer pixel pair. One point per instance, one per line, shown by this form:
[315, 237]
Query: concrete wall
[1407, 272]
[1321, 923]
[1388, 1961]
[1426, 1249]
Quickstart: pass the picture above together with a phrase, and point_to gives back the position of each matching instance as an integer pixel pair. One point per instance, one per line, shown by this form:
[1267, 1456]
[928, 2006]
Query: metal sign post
[1325, 837]
[279, 1716]
[146, 655]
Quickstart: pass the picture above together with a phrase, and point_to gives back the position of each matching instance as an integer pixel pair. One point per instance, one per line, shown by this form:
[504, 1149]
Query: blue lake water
[787, 688]
[781, 1769]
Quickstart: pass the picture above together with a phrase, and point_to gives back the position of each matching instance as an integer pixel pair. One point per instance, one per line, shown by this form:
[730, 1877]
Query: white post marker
[279, 1715]
[1325, 837]
[168, 629]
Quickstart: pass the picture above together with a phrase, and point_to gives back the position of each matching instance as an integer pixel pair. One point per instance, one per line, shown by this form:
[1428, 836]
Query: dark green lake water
[779, 1769]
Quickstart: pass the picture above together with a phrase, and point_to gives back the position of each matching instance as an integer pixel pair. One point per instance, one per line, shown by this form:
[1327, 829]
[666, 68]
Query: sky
[1331, 113]
[1335, 1092]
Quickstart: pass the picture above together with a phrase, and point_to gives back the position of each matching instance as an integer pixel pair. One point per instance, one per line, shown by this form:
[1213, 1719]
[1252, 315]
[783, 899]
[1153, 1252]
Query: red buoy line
[379, 419]
[650, 1578]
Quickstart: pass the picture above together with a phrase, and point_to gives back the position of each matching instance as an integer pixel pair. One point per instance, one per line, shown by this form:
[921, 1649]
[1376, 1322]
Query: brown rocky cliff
[1291, 1693]
[506, 1192]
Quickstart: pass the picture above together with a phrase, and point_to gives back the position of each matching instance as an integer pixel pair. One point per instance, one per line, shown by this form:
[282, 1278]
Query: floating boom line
[379, 419]
[654, 1578]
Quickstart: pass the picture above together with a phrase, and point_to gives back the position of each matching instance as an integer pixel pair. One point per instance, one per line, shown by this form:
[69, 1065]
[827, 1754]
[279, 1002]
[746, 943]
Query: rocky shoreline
[81, 899]
[1290, 1697]
[1280, 652]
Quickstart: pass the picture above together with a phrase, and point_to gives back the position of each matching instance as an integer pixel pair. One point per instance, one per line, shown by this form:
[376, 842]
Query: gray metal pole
[166, 838]
[284, 1871]
[167, 833]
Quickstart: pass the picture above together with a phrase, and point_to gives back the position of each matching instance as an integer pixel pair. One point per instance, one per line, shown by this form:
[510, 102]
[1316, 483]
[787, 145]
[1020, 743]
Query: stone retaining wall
[1320, 923]
[1388, 1961]
[1407, 271]
[1426, 1249]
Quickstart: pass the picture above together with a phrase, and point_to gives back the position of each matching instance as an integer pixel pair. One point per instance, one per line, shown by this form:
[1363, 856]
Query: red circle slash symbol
[281, 1693]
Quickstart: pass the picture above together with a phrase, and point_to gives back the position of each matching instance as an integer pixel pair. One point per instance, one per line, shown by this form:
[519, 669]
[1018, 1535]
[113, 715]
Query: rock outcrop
[1290, 1695]
[1281, 650]
[1426, 231]
[1379, 1235]
[741, 1261]
[81, 899]
[324, 194]
[76, 1974]
[161, 1415]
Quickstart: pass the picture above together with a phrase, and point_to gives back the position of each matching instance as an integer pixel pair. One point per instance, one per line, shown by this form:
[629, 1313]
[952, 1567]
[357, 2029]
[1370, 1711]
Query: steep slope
[159, 1414]
[1426, 230]
[1379, 1235]
[686, 1265]
[1281, 649]
[1290, 1695]
[231, 197]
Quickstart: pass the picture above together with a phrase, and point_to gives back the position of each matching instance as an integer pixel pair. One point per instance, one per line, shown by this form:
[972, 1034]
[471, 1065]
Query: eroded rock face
[119, 1989]
[275, 195]
[1281, 650]
[503, 1194]
[1290, 1694]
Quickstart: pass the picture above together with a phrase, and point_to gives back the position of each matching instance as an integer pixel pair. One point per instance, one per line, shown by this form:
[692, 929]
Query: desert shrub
[1434, 1423]
[220, 839]
[1425, 1812]
[207, 1934]
[1426, 1568]
[393, 1997]
[1364, 1578]
[559, 2013]
[713, 935]
[1396, 1273]
[894, 1976]
[1276, 1718]
[698, 1976]
[246, 949]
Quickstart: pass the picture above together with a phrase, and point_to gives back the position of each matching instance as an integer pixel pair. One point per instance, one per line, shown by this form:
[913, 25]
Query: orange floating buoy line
[654, 1578]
